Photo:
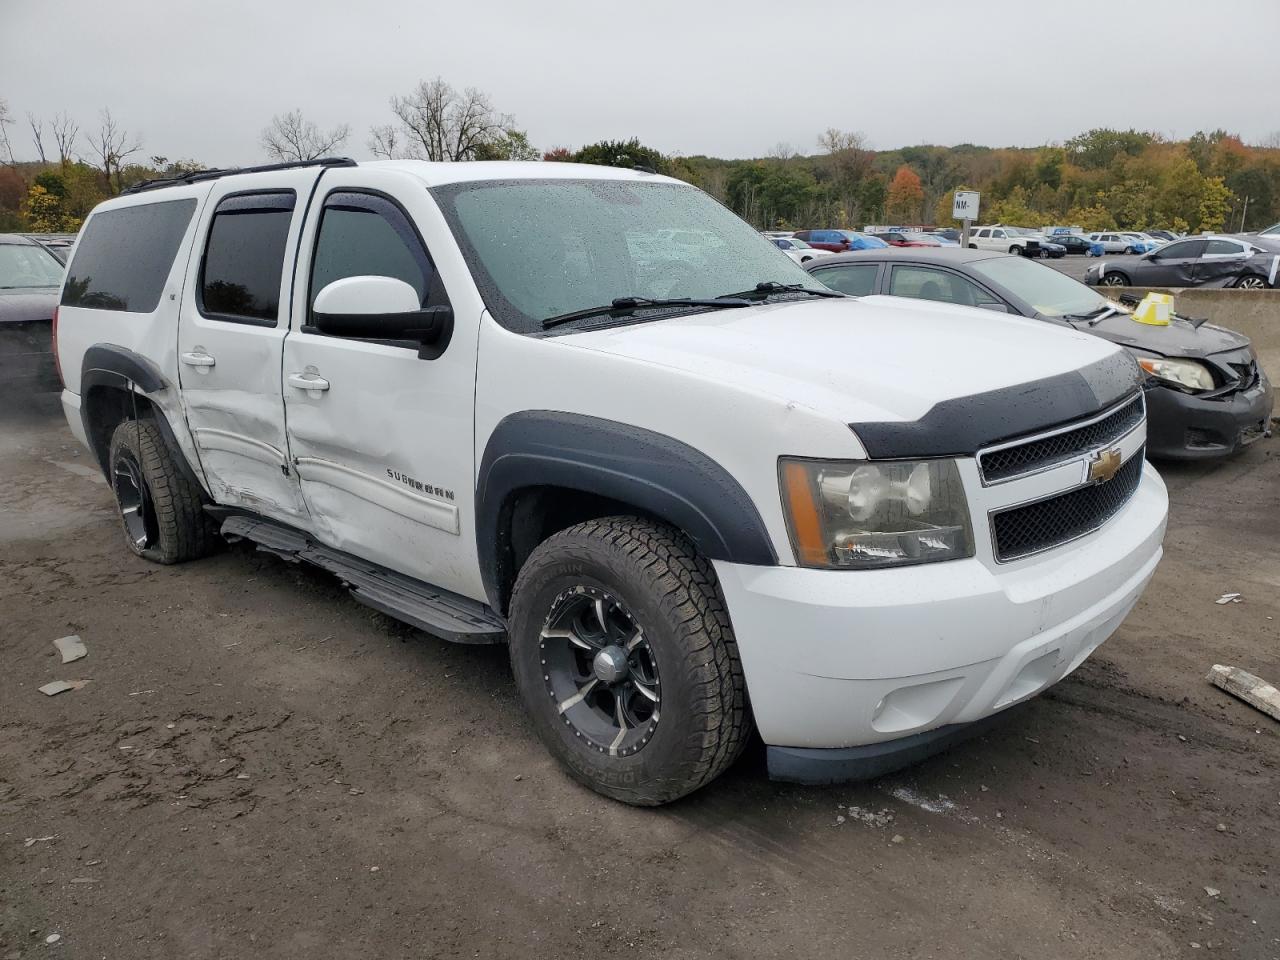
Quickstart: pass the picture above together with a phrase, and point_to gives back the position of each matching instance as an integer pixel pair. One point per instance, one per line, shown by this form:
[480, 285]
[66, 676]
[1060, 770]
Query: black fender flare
[657, 474]
[109, 365]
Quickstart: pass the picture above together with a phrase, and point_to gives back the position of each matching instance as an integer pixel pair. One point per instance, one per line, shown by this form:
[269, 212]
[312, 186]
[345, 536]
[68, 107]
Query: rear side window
[858, 280]
[244, 258]
[125, 256]
[1224, 248]
[364, 234]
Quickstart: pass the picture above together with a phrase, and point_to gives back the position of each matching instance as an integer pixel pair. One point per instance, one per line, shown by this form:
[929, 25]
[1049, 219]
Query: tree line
[1099, 179]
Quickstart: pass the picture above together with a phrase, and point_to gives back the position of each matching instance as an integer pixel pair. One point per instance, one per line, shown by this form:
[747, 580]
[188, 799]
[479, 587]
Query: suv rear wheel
[161, 510]
[626, 661]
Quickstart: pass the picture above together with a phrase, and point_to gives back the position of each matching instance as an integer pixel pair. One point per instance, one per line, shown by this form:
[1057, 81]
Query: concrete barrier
[1255, 313]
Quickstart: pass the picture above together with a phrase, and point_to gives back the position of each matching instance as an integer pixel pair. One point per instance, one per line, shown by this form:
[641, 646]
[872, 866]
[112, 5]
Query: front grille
[1022, 531]
[1022, 458]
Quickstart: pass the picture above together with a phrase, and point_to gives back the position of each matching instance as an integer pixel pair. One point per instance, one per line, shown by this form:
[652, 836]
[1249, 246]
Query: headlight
[863, 515]
[1184, 373]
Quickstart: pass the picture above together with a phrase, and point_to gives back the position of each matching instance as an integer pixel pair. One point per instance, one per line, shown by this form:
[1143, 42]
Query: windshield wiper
[767, 288]
[1093, 316]
[631, 304]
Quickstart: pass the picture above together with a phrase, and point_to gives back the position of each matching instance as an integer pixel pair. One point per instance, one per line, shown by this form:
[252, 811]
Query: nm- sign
[965, 205]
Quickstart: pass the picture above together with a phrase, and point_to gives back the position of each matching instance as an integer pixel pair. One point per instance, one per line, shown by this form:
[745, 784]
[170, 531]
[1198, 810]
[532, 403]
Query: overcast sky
[730, 79]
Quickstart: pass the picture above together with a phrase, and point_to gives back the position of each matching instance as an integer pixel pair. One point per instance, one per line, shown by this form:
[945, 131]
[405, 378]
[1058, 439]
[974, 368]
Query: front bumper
[838, 659]
[1181, 426]
[26, 357]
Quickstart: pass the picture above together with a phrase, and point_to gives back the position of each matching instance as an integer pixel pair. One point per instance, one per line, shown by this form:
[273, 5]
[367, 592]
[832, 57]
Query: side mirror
[381, 308]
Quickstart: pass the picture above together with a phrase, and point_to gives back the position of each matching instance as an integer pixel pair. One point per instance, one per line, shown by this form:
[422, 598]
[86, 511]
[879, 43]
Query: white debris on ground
[938, 804]
[61, 686]
[72, 648]
[1228, 598]
[867, 816]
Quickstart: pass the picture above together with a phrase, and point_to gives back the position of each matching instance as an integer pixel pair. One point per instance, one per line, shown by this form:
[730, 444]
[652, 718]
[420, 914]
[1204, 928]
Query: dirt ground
[261, 767]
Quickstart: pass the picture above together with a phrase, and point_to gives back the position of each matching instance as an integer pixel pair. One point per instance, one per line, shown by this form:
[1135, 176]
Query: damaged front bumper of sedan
[1189, 426]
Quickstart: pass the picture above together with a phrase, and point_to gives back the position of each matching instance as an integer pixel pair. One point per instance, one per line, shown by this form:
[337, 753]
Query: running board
[439, 612]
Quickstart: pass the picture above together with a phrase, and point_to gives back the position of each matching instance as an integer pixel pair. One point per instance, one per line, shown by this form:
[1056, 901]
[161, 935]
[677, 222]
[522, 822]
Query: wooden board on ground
[1252, 690]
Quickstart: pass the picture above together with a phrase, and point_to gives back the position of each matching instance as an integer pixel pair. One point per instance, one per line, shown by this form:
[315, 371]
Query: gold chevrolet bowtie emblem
[1104, 465]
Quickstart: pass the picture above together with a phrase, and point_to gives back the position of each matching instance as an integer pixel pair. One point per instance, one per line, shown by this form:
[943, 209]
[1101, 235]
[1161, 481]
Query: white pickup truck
[695, 495]
[1006, 240]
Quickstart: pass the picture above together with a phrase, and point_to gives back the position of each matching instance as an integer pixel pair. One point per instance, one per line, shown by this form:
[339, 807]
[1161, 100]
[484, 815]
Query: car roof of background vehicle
[934, 255]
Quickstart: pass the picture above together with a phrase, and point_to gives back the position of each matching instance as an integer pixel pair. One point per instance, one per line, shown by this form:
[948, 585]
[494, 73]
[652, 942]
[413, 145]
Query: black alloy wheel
[600, 671]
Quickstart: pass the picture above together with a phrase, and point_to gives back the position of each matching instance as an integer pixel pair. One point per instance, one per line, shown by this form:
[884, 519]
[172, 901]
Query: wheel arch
[543, 471]
[117, 384]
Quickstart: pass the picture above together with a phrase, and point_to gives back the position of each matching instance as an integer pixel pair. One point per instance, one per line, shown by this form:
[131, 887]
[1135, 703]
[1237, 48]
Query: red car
[898, 238]
[838, 241]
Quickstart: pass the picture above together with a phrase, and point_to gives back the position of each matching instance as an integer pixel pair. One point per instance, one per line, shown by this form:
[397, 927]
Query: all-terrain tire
[170, 512]
[673, 595]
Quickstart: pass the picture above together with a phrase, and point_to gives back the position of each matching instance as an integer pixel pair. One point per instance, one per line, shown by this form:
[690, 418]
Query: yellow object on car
[1155, 309]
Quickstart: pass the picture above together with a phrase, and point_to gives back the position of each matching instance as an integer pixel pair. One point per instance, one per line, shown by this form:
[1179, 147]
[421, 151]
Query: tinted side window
[1182, 250]
[125, 256]
[244, 258]
[368, 235]
[856, 279]
[925, 283]
[1224, 248]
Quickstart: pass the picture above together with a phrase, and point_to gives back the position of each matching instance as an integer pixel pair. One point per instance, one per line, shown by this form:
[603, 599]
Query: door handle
[198, 358]
[307, 381]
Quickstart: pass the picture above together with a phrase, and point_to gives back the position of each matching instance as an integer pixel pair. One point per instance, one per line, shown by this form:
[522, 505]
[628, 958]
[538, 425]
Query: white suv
[693, 492]
[1006, 240]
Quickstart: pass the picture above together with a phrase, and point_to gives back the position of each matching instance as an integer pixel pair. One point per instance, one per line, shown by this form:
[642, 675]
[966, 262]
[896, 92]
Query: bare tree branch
[65, 131]
[438, 123]
[112, 146]
[37, 135]
[292, 137]
[385, 143]
[6, 118]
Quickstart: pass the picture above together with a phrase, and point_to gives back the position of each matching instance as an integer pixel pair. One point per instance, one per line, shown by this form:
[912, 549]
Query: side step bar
[419, 604]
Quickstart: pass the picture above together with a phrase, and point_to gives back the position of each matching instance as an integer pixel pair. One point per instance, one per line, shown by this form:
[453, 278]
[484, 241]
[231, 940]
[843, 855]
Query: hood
[1180, 338]
[856, 360]
[27, 304]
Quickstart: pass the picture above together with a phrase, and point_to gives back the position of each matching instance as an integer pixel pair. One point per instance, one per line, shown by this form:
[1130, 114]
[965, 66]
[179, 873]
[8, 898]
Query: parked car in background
[30, 276]
[1208, 396]
[1150, 238]
[839, 241]
[903, 238]
[1072, 243]
[1166, 235]
[948, 233]
[798, 250]
[59, 244]
[1113, 241]
[1006, 239]
[1139, 243]
[1194, 262]
[943, 239]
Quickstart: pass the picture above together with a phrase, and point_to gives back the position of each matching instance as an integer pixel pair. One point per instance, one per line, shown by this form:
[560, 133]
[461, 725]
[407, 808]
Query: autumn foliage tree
[906, 196]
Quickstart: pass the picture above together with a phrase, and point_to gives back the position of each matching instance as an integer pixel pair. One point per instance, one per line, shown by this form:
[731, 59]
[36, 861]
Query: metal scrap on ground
[72, 648]
[1252, 690]
[1228, 598]
[61, 686]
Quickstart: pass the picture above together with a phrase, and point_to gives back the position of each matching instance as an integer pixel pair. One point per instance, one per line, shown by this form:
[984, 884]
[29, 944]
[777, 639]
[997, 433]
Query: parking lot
[1076, 266]
[262, 767]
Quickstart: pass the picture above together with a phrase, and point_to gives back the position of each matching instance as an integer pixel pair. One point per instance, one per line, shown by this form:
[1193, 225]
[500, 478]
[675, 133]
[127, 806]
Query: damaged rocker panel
[437, 611]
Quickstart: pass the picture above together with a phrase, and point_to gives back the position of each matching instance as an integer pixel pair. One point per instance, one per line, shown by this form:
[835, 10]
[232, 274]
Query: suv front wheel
[626, 662]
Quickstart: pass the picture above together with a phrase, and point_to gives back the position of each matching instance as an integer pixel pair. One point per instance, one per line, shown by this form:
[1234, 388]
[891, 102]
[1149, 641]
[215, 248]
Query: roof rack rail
[196, 176]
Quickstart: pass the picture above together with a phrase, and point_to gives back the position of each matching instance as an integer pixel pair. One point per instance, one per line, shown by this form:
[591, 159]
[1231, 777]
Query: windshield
[27, 265]
[1050, 293]
[544, 248]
